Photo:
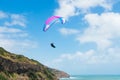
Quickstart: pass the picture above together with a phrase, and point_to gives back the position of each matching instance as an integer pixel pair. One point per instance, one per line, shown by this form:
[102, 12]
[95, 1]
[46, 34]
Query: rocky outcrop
[10, 66]
[18, 67]
[59, 74]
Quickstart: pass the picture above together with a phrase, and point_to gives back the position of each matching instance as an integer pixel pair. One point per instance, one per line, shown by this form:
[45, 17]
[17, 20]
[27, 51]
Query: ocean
[93, 77]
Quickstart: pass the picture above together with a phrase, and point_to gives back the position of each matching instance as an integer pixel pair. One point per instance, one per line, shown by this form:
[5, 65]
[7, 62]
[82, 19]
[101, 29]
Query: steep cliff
[18, 67]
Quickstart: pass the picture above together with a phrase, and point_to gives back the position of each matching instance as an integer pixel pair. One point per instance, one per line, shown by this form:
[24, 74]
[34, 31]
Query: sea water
[93, 77]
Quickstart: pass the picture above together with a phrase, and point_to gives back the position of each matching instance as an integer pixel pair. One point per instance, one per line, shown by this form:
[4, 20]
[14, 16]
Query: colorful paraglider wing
[50, 21]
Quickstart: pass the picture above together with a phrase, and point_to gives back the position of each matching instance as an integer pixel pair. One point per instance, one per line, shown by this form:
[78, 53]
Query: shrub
[2, 77]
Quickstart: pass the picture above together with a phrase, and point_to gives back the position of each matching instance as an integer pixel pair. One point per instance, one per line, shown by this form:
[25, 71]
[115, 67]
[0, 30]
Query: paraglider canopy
[52, 45]
[51, 20]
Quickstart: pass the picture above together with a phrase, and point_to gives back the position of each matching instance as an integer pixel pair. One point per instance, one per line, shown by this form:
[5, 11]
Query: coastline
[92, 77]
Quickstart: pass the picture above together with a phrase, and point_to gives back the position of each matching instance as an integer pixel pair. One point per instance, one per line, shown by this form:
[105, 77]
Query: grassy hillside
[19, 67]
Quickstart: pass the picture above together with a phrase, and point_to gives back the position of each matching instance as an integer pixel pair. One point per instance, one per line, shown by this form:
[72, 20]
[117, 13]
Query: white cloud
[76, 56]
[68, 8]
[17, 46]
[65, 9]
[3, 15]
[9, 30]
[12, 36]
[87, 4]
[16, 19]
[102, 29]
[68, 31]
[90, 57]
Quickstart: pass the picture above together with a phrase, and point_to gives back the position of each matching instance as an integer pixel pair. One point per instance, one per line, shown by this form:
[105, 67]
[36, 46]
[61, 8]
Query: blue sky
[88, 43]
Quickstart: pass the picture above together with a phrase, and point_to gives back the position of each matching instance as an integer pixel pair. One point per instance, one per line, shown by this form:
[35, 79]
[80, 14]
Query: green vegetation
[3, 77]
[32, 75]
[26, 69]
[16, 58]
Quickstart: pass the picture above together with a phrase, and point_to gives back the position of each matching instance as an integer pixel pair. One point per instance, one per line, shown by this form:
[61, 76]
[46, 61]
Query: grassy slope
[45, 74]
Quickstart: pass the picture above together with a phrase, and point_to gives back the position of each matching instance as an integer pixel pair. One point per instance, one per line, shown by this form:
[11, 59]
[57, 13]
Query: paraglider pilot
[52, 45]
